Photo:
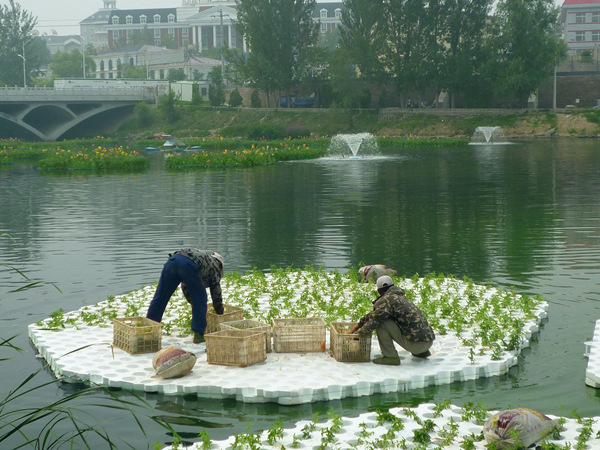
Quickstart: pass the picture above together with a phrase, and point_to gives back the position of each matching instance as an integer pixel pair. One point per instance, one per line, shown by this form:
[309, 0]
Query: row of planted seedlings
[488, 321]
[439, 425]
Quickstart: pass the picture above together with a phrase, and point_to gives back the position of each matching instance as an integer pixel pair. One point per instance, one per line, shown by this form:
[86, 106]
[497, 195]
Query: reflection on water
[524, 215]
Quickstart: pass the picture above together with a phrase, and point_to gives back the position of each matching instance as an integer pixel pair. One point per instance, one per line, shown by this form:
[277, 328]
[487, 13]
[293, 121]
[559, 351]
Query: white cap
[384, 281]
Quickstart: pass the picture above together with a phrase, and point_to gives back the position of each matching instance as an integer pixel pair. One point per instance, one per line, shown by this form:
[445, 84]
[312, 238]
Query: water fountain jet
[351, 144]
[488, 135]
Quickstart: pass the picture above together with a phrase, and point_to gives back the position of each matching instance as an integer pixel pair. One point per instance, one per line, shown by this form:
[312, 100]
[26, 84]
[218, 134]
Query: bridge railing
[42, 94]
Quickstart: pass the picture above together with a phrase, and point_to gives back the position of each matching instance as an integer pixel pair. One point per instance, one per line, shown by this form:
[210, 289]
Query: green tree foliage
[235, 98]
[143, 37]
[216, 88]
[144, 114]
[133, 71]
[167, 108]
[279, 34]
[255, 99]
[70, 64]
[176, 75]
[465, 52]
[527, 46]
[16, 26]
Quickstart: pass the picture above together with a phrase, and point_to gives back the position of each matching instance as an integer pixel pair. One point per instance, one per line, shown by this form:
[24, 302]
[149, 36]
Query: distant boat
[151, 149]
[172, 143]
[193, 148]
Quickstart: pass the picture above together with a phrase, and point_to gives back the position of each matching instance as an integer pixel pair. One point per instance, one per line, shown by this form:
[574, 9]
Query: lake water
[525, 215]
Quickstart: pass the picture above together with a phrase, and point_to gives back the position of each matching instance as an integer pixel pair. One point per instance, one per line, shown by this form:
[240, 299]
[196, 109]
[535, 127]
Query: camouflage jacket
[395, 306]
[210, 275]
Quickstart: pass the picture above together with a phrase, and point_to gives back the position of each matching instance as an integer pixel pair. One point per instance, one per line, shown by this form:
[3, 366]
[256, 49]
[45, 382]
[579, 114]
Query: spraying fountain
[351, 144]
[488, 135]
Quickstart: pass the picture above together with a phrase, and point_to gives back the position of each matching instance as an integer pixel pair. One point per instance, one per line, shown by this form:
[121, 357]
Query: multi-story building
[581, 24]
[204, 24]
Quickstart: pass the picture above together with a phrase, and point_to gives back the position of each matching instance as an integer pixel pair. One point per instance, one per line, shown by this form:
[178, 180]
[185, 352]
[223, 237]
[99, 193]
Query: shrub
[235, 98]
[267, 132]
[255, 99]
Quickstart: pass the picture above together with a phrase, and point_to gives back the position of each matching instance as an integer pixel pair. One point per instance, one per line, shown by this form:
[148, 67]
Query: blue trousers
[179, 269]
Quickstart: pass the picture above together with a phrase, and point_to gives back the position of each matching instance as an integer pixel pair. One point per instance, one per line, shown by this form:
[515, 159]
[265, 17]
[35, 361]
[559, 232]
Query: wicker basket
[299, 335]
[233, 347]
[348, 347]
[213, 320]
[137, 334]
[250, 324]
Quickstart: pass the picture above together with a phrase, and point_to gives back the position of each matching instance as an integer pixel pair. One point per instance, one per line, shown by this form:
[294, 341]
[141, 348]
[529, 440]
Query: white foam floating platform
[83, 353]
[592, 351]
[452, 428]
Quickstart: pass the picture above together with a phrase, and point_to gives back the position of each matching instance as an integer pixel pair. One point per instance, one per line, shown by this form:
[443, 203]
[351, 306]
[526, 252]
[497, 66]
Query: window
[129, 20]
[595, 35]
[156, 33]
[157, 42]
[115, 35]
[143, 18]
[156, 18]
[596, 17]
[115, 20]
[185, 32]
[128, 32]
[171, 18]
[338, 13]
[323, 14]
[323, 28]
[171, 31]
[580, 36]
[579, 17]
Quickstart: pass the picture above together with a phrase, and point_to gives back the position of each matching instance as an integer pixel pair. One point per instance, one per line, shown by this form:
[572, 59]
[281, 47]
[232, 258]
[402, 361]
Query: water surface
[525, 216]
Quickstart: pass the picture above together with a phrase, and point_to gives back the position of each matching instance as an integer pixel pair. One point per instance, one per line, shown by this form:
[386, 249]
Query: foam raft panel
[84, 354]
[367, 432]
[592, 351]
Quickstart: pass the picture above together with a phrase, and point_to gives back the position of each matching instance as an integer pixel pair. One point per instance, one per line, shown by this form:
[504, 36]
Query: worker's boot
[388, 360]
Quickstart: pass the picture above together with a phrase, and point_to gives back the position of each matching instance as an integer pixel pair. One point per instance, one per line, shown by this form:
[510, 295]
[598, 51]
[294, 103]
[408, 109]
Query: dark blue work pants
[179, 269]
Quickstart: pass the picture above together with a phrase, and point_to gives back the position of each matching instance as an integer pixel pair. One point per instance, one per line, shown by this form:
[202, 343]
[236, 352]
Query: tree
[465, 32]
[527, 47]
[143, 37]
[279, 34]
[133, 71]
[70, 64]
[166, 106]
[16, 26]
[144, 114]
[235, 98]
[176, 75]
[216, 88]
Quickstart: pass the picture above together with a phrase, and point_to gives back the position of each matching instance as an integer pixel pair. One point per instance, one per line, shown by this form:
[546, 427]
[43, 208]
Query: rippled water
[524, 215]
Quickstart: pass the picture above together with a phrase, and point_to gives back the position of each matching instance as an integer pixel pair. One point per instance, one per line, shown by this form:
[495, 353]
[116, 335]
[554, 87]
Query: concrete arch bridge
[50, 114]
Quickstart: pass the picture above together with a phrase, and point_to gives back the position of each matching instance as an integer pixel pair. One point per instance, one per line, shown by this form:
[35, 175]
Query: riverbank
[455, 123]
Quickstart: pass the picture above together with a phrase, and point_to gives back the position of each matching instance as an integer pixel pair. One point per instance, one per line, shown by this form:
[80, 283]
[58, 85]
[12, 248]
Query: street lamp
[83, 53]
[221, 15]
[24, 65]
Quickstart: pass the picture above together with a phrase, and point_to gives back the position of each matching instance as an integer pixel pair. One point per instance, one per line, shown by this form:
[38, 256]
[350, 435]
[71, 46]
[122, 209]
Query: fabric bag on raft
[519, 427]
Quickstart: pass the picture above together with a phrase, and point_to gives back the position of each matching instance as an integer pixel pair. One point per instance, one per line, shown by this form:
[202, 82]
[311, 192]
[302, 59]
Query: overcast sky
[64, 16]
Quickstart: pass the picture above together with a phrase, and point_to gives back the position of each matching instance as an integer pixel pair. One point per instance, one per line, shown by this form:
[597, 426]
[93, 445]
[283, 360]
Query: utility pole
[221, 15]
[83, 53]
[24, 65]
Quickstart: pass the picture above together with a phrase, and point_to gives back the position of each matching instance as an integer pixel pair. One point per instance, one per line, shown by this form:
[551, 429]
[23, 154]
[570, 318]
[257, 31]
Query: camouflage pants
[388, 332]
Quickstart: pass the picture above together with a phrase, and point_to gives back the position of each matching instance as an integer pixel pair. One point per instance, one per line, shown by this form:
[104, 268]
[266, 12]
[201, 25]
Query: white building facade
[581, 24]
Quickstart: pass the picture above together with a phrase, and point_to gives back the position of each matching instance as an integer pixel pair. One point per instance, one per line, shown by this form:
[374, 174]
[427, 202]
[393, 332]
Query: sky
[63, 16]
